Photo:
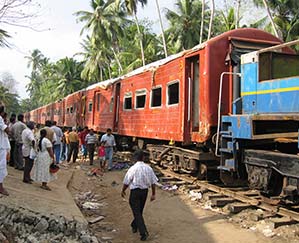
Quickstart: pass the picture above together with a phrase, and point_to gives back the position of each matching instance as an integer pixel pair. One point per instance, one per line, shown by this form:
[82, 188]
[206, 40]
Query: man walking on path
[139, 178]
[109, 141]
[17, 130]
[57, 144]
[4, 149]
[91, 140]
[28, 144]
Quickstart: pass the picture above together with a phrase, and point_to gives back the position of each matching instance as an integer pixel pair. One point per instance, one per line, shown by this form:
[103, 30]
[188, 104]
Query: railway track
[236, 199]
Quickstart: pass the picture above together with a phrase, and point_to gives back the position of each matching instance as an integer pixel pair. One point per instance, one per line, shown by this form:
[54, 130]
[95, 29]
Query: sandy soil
[172, 218]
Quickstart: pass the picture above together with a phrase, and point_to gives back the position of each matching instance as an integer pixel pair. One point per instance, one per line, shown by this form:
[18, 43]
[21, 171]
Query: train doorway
[116, 107]
[192, 96]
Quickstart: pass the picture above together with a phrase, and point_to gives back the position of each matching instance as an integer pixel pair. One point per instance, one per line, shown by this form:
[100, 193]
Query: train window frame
[128, 95]
[139, 93]
[90, 106]
[151, 97]
[167, 93]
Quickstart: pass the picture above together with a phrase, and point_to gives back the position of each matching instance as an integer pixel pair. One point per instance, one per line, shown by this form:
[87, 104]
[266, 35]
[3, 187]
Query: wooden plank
[95, 220]
[277, 222]
[212, 196]
[220, 202]
[238, 207]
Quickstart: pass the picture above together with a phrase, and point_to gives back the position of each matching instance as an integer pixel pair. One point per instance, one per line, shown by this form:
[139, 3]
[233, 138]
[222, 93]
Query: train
[227, 109]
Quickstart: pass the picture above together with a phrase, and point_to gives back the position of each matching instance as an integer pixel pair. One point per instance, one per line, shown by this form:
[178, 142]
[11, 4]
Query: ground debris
[95, 220]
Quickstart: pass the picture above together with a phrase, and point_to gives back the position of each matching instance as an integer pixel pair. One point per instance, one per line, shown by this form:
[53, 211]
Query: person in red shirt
[82, 135]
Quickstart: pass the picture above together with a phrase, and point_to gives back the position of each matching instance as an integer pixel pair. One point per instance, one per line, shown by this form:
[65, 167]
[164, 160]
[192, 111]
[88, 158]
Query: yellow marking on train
[270, 91]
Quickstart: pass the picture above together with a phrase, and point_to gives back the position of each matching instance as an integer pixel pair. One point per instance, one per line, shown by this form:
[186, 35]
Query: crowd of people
[37, 151]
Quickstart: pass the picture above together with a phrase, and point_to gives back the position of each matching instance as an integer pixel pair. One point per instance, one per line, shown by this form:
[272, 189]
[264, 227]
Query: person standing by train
[139, 178]
[17, 130]
[82, 136]
[4, 149]
[91, 140]
[28, 144]
[50, 132]
[74, 145]
[57, 144]
[109, 141]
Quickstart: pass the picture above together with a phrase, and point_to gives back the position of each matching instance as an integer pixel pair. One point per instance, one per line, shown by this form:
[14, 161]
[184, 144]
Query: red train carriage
[73, 112]
[58, 112]
[172, 99]
[99, 107]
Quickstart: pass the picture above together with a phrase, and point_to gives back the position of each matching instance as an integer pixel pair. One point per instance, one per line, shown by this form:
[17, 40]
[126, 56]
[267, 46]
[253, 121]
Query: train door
[116, 107]
[192, 97]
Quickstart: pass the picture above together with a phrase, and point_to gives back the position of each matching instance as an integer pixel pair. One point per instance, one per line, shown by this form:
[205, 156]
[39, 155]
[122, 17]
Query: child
[101, 155]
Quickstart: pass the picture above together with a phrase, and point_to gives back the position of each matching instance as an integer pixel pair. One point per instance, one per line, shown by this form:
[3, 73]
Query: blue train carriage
[258, 143]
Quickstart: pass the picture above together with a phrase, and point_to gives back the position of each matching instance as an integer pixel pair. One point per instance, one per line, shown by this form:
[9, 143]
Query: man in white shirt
[109, 143]
[139, 178]
[4, 149]
[28, 143]
[17, 130]
[57, 144]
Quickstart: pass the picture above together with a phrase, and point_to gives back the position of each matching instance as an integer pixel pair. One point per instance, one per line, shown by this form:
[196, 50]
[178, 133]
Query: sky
[56, 35]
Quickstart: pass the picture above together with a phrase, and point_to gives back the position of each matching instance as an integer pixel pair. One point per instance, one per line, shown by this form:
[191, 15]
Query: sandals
[46, 188]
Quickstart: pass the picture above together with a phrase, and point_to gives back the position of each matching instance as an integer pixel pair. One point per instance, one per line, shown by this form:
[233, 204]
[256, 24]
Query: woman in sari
[45, 157]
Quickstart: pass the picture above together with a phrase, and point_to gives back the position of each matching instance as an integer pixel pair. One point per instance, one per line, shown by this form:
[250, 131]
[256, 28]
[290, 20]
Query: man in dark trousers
[139, 178]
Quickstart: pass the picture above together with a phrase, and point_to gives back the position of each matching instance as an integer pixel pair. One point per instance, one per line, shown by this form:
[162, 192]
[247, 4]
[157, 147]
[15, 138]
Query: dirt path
[170, 219]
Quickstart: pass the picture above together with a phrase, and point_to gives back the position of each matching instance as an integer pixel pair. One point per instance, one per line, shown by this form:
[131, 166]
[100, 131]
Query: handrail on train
[219, 108]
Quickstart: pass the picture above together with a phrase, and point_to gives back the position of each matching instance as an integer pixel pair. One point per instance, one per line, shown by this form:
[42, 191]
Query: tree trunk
[237, 14]
[117, 60]
[140, 39]
[211, 18]
[162, 29]
[271, 18]
[202, 20]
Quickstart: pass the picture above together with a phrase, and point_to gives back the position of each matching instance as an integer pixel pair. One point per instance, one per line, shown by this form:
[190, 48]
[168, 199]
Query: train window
[156, 97]
[111, 104]
[128, 101]
[274, 65]
[67, 110]
[98, 102]
[140, 99]
[90, 107]
[173, 93]
[72, 110]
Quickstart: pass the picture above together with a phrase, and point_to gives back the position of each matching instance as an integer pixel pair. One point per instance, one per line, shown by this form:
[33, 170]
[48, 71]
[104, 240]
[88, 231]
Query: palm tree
[68, 76]
[202, 20]
[131, 7]
[105, 22]
[184, 30]
[162, 29]
[3, 38]
[265, 4]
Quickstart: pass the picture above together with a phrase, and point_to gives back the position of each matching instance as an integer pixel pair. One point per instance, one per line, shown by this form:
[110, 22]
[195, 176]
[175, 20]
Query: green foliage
[52, 81]
[9, 100]
[184, 29]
